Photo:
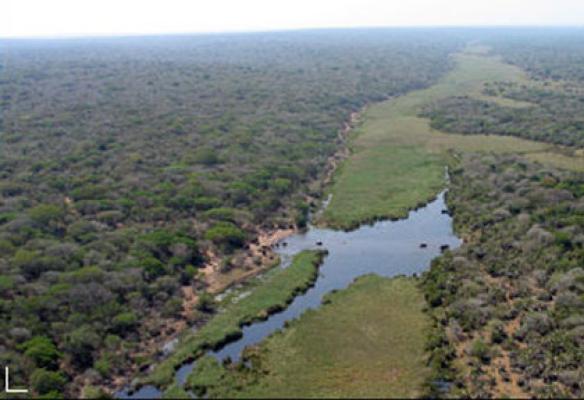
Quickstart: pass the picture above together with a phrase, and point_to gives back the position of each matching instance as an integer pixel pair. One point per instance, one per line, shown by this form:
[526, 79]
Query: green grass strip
[272, 296]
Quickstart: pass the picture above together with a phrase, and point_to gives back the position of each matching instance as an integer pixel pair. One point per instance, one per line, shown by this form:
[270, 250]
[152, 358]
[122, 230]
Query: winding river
[386, 248]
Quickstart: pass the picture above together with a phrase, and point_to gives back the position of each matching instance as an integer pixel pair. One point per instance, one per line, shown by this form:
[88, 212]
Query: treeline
[553, 101]
[545, 54]
[555, 116]
[123, 162]
[509, 304]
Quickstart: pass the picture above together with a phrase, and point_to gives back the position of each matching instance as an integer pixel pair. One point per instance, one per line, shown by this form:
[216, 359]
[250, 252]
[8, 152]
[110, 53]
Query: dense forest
[555, 116]
[545, 54]
[508, 304]
[126, 163]
[548, 108]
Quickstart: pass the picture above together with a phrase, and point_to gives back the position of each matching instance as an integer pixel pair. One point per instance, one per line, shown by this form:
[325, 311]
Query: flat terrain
[356, 345]
[398, 161]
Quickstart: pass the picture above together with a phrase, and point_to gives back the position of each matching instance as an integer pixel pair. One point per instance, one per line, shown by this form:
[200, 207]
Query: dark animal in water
[423, 245]
[319, 243]
[444, 247]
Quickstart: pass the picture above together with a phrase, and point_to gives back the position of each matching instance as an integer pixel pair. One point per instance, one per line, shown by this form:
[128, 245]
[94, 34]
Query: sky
[23, 18]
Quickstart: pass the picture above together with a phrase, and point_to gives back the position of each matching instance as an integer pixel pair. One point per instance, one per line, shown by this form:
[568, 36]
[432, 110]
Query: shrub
[225, 233]
[221, 214]
[81, 343]
[206, 302]
[45, 214]
[125, 322]
[498, 334]
[103, 366]
[206, 203]
[44, 382]
[43, 351]
[206, 156]
[480, 350]
[152, 267]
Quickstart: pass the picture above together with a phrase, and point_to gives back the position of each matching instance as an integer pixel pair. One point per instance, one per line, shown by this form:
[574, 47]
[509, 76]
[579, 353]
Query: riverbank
[354, 345]
[268, 298]
[386, 249]
[259, 258]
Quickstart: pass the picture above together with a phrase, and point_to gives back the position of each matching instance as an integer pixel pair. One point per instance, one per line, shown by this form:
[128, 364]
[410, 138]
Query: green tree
[44, 381]
[125, 322]
[46, 214]
[153, 268]
[81, 343]
[43, 351]
[206, 302]
[226, 234]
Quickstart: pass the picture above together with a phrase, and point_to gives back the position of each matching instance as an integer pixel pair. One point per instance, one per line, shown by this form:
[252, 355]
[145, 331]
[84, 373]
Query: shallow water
[387, 248]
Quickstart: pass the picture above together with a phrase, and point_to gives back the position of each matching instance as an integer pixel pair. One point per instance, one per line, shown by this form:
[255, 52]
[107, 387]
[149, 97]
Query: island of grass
[355, 345]
[277, 291]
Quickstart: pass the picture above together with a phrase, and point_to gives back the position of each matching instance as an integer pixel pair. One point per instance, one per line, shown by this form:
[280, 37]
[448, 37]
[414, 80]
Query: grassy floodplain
[377, 326]
[397, 161]
[355, 345]
[281, 286]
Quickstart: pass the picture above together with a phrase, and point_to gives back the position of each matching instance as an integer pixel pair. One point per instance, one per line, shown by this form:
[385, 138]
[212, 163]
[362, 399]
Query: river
[386, 248]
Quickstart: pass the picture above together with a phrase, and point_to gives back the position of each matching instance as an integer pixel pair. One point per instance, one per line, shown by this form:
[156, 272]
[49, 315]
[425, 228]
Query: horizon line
[101, 35]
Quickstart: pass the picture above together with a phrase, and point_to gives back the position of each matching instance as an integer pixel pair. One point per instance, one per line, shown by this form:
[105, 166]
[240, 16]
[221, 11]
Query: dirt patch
[259, 257]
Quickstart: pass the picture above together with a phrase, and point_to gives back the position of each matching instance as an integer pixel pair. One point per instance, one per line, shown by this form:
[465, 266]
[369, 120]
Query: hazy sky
[79, 17]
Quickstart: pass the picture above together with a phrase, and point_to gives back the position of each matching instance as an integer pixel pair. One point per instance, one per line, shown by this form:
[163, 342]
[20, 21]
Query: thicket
[545, 54]
[555, 116]
[515, 289]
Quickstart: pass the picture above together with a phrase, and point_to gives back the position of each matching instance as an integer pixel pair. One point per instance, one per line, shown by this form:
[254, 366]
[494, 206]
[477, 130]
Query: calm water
[387, 248]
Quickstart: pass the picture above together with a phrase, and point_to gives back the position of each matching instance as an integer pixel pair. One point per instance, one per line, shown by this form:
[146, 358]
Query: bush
[152, 268]
[564, 239]
[498, 334]
[45, 214]
[206, 203]
[44, 382]
[206, 302]
[43, 351]
[206, 156]
[480, 350]
[227, 234]
[81, 344]
[125, 322]
[103, 366]
[221, 214]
